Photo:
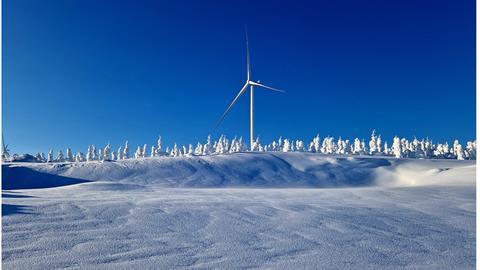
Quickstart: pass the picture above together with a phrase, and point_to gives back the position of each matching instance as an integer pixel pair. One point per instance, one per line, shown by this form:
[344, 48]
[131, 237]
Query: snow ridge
[251, 169]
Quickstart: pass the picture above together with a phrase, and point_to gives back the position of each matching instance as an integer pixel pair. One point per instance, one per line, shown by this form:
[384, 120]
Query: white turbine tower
[248, 83]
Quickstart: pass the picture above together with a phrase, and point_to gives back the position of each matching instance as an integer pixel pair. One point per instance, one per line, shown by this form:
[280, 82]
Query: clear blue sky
[91, 72]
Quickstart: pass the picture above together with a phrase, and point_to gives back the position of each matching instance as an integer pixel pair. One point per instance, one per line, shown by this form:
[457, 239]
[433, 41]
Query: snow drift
[245, 170]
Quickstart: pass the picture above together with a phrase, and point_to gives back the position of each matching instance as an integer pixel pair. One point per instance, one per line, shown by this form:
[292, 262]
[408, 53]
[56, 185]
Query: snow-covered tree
[347, 147]
[428, 149]
[446, 150]
[416, 148]
[153, 151]
[255, 147]
[79, 157]
[113, 156]
[144, 151]
[159, 146]
[221, 145]
[94, 153]
[126, 151]
[175, 152]
[300, 145]
[100, 154]
[373, 143]
[119, 153]
[379, 143]
[317, 144]
[458, 150]
[386, 151]
[286, 146]
[207, 148]
[107, 152]
[241, 145]
[199, 149]
[70, 157]
[60, 157]
[138, 153]
[89, 153]
[471, 150]
[50, 156]
[39, 157]
[357, 146]
[438, 152]
[190, 150]
[397, 147]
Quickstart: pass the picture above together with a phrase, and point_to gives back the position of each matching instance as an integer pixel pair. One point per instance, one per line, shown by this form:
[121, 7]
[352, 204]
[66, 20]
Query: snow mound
[267, 170]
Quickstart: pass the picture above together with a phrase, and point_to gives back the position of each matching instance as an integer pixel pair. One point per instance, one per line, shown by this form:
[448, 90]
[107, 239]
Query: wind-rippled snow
[152, 214]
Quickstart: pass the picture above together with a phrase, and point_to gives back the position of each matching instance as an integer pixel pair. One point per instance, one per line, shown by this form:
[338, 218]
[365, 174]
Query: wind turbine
[5, 150]
[252, 84]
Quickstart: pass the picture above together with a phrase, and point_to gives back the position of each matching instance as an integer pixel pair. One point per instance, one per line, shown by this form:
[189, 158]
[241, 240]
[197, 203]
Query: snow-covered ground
[244, 210]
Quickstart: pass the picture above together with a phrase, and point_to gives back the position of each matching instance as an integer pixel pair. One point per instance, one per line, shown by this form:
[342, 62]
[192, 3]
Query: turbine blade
[267, 87]
[248, 54]
[231, 104]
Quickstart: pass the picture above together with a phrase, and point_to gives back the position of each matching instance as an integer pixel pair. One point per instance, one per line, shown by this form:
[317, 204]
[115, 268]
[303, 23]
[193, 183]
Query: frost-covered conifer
[438, 153]
[126, 151]
[286, 145]
[347, 147]
[379, 143]
[220, 146]
[138, 153]
[69, 155]
[50, 156]
[446, 150]
[89, 153]
[357, 146]
[385, 149]
[471, 150]
[190, 150]
[60, 157]
[38, 157]
[113, 156]
[256, 145]
[458, 150]
[119, 153]
[94, 153]
[300, 146]
[397, 147]
[373, 143]
[280, 144]
[79, 157]
[416, 148]
[175, 152]
[159, 146]
[144, 151]
[153, 151]
[428, 149]
[100, 154]
[207, 148]
[316, 144]
[199, 149]
[107, 152]
[233, 146]
[340, 148]
[241, 145]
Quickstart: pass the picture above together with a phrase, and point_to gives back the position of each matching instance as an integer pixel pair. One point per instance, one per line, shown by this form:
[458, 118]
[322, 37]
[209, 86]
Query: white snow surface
[240, 211]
